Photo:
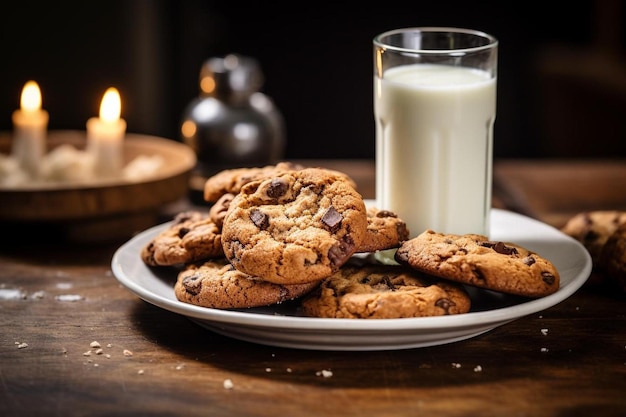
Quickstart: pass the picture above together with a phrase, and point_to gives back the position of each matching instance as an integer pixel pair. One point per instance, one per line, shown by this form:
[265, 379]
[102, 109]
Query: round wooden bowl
[63, 202]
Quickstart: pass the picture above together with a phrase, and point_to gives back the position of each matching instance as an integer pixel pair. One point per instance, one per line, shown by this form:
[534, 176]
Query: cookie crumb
[325, 373]
[544, 332]
[140, 372]
[268, 370]
[21, 345]
[288, 370]
[94, 344]
[99, 351]
[543, 349]
[69, 297]
[228, 384]
[456, 365]
[478, 368]
[88, 353]
[179, 366]
[38, 295]
[127, 352]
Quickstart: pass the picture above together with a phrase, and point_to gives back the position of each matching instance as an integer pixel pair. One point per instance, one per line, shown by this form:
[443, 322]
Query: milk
[434, 140]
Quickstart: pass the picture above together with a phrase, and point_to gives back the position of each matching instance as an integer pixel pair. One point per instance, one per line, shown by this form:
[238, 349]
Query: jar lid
[231, 77]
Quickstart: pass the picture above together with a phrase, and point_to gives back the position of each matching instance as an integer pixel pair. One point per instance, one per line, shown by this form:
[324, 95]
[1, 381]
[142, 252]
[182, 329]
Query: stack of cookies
[286, 232]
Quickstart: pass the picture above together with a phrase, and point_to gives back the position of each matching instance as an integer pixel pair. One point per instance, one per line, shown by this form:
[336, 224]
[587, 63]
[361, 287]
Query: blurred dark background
[561, 81]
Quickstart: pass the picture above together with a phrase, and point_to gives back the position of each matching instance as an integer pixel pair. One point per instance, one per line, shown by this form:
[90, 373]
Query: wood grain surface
[56, 299]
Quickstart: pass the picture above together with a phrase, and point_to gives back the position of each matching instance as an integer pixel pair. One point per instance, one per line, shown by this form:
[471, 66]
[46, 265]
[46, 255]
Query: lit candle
[30, 124]
[105, 136]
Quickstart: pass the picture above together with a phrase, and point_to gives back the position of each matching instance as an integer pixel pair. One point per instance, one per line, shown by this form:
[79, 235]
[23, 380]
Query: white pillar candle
[30, 125]
[105, 137]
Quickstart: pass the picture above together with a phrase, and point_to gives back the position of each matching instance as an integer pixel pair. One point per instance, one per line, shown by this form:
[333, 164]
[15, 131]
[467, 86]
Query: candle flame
[111, 106]
[31, 97]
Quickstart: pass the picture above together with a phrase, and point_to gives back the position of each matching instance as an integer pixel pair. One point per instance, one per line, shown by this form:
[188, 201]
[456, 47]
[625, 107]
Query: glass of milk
[435, 107]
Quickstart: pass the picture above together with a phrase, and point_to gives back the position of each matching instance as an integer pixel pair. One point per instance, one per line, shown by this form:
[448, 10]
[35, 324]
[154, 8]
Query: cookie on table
[475, 260]
[217, 284]
[612, 260]
[384, 292]
[385, 230]
[192, 236]
[593, 228]
[296, 227]
[231, 180]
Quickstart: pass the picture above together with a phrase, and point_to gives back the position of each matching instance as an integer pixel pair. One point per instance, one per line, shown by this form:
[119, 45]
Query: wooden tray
[100, 199]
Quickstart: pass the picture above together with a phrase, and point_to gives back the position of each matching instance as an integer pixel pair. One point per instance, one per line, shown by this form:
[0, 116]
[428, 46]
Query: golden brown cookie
[217, 284]
[593, 228]
[294, 228]
[384, 292]
[475, 260]
[192, 236]
[385, 230]
[231, 180]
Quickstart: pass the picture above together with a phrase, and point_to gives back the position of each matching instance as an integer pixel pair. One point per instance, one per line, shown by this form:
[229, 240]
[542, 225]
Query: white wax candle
[105, 137]
[30, 124]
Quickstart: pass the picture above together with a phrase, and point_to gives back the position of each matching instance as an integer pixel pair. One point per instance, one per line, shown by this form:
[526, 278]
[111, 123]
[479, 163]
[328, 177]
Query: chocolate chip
[445, 304]
[590, 237]
[260, 219]
[277, 188]
[499, 247]
[385, 213]
[548, 278]
[332, 219]
[192, 284]
[339, 253]
[529, 260]
[479, 274]
[183, 231]
[403, 231]
[402, 257]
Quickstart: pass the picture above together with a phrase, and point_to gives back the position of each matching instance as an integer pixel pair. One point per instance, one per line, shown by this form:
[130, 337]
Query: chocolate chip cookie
[385, 230]
[231, 180]
[593, 228]
[296, 227]
[475, 260]
[217, 284]
[384, 292]
[612, 260]
[192, 236]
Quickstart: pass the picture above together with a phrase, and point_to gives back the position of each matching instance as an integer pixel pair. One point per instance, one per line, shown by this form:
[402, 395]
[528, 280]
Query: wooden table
[58, 298]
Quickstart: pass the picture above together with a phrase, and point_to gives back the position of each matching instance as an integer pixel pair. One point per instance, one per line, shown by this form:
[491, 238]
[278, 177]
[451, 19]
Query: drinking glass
[435, 108]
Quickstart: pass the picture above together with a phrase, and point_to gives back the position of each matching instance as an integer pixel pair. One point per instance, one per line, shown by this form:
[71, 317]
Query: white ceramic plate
[282, 325]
